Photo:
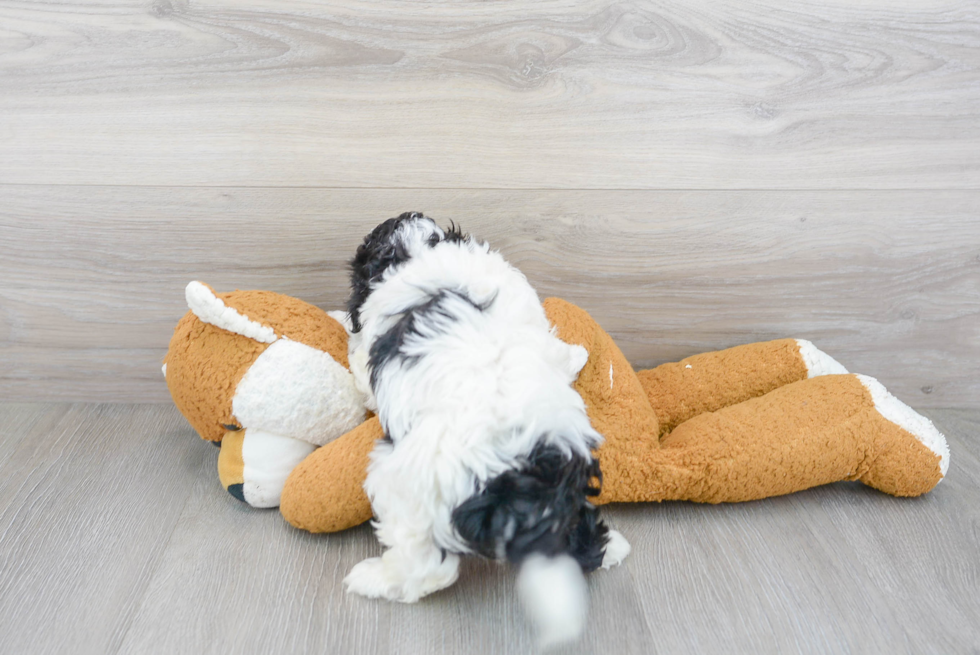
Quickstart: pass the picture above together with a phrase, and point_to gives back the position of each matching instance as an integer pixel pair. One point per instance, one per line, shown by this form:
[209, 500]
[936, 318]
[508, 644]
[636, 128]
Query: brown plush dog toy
[745, 423]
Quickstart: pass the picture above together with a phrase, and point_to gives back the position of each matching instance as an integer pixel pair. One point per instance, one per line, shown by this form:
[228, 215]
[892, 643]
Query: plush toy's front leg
[253, 464]
[325, 492]
[805, 434]
[679, 391]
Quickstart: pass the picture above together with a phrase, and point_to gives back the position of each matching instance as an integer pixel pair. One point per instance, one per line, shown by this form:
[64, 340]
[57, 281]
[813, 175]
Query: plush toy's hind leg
[899, 458]
[679, 391]
[811, 432]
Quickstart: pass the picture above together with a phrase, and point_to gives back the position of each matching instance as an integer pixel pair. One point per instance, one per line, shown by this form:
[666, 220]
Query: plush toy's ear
[207, 306]
[293, 319]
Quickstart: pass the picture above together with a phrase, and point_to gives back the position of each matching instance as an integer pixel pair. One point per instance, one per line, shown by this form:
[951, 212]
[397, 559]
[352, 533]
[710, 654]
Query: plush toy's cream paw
[395, 577]
[616, 550]
[817, 361]
[253, 465]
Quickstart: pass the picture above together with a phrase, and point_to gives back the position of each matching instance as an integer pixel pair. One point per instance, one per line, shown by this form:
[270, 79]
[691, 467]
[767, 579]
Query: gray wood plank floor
[115, 537]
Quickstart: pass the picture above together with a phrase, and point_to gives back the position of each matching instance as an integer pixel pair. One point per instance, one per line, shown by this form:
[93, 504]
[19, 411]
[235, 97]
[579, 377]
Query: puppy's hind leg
[404, 502]
[404, 573]
[594, 545]
[617, 548]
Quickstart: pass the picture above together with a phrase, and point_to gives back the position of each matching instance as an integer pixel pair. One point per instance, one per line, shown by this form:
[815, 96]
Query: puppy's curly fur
[488, 448]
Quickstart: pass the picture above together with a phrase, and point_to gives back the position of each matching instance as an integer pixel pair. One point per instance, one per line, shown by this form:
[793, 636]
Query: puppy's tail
[555, 597]
[538, 516]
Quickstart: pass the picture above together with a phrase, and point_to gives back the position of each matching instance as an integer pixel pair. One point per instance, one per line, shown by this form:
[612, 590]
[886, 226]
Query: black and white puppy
[488, 447]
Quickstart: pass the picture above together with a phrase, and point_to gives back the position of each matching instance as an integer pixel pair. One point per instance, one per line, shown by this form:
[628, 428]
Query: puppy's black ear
[541, 507]
[379, 251]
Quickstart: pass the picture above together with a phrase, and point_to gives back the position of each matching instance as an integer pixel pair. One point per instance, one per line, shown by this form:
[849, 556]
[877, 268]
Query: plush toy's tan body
[741, 424]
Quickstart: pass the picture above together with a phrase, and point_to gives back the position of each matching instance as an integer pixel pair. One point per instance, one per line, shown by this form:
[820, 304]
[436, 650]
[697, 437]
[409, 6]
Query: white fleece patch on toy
[817, 361]
[211, 309]
[269, 459]
[908, 419]
[298, 391]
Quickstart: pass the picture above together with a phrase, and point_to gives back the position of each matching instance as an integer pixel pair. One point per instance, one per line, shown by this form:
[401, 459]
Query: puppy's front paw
[577, 358]
[368, 579]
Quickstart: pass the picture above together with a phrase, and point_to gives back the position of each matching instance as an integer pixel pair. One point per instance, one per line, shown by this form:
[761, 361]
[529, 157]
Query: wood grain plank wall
[466, 94]
[695, 174]
[889, 282]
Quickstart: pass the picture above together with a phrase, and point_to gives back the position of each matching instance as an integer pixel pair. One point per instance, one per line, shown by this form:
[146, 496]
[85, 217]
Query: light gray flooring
[115, 537]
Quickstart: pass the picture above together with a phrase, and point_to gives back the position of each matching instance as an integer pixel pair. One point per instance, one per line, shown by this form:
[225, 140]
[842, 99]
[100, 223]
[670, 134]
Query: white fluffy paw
[379, 577]
[368, 579]
[578, 357]
[616, 550]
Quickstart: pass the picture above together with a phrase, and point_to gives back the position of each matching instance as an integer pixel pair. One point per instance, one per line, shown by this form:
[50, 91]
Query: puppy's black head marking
[541, 507]
[380, 251]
